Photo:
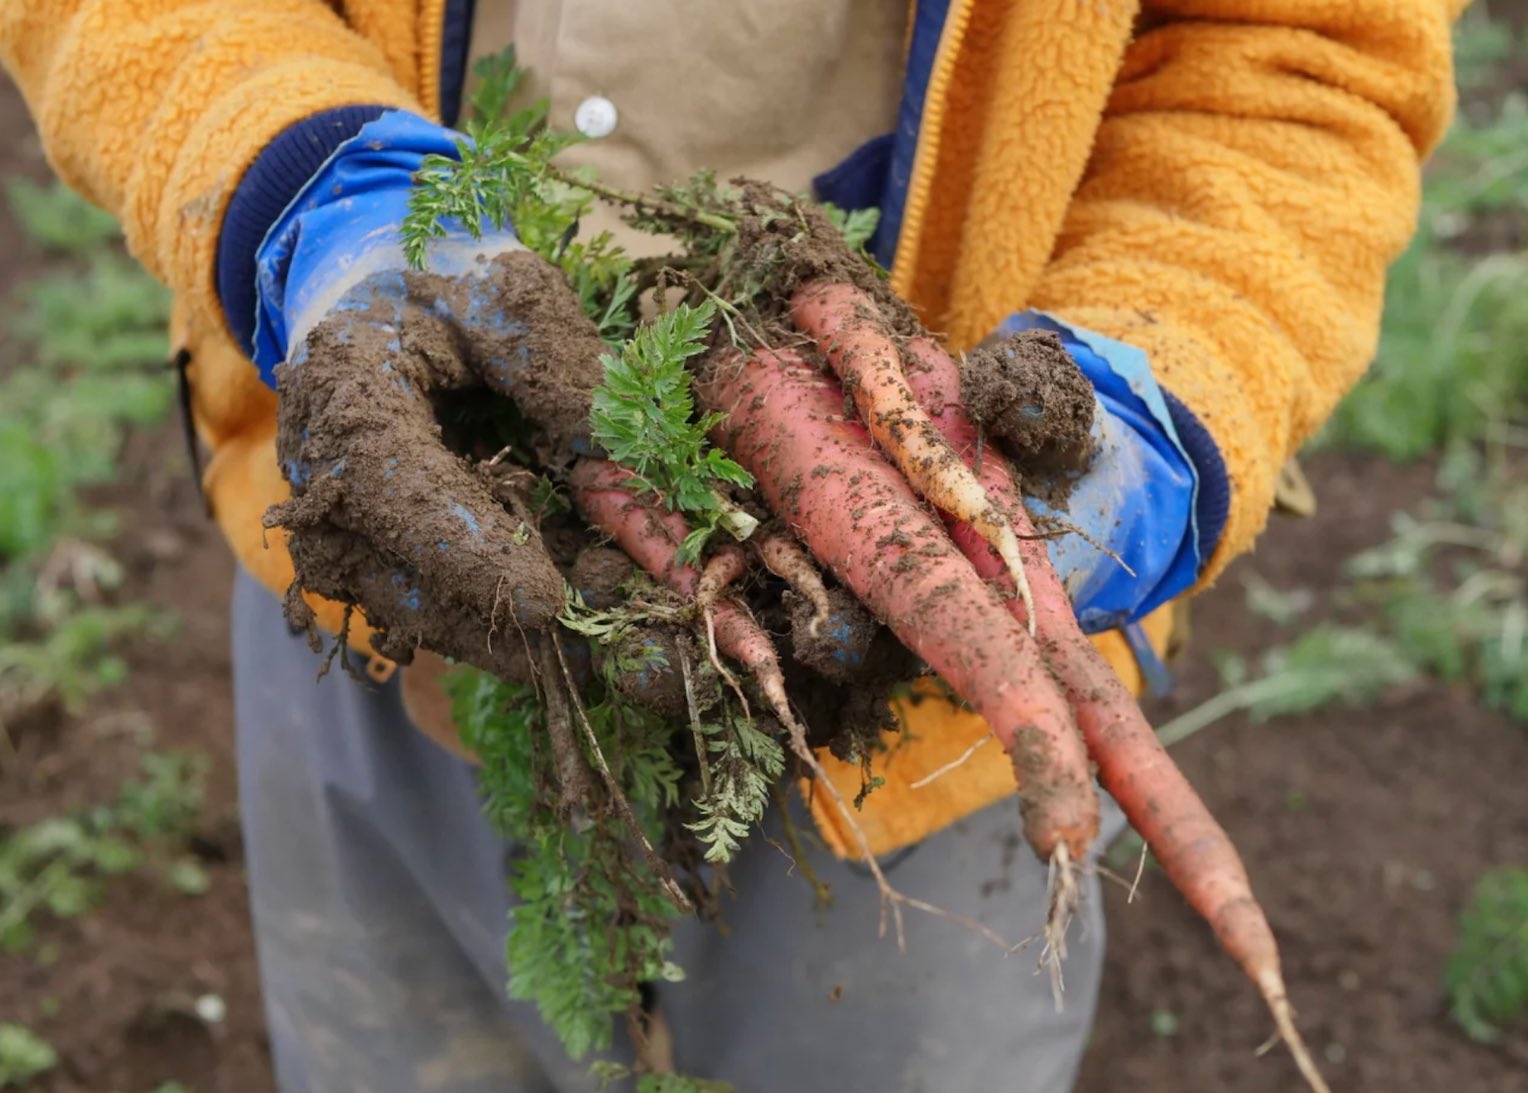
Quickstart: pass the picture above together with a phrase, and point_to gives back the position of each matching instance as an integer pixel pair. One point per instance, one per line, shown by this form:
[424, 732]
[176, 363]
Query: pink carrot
[651, 537]
[1193, 848]
[783, 420]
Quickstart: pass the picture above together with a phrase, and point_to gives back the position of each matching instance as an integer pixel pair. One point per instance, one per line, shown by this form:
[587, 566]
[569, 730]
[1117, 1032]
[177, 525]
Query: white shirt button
[595, 117]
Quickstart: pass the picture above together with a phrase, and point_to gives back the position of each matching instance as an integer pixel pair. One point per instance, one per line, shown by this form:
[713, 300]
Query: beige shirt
[778, 90]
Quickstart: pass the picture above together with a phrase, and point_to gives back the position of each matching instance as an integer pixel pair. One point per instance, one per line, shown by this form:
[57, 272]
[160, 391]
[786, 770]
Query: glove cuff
[343, 225]
[1212, 502]
[277, 175]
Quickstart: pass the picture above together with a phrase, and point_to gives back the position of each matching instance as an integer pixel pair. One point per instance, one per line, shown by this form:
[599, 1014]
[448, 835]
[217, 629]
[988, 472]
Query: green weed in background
[1487, 975]
[1452, 366]
[1453, 357]
[23, 1055]
[56, 220]
[57, 866]
[87, 366]
[85, 349]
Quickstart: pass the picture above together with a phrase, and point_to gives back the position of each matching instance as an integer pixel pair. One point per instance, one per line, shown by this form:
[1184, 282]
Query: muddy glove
[378, 358]
[1138, 496]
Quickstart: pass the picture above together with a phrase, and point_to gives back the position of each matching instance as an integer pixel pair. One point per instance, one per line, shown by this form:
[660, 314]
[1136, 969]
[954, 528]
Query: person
[1201, 197]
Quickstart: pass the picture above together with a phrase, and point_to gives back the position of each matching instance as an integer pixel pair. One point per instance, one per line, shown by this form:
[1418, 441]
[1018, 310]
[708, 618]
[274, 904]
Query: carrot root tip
[1271, 984]
[1008, 548]
[1065, 899]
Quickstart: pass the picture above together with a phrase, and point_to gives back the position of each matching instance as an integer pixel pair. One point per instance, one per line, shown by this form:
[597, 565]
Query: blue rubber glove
[1136, 498]
[384, 513]
[342, 230]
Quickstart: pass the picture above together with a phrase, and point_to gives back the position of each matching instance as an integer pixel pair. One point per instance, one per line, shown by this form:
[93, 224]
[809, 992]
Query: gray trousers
[380, 910]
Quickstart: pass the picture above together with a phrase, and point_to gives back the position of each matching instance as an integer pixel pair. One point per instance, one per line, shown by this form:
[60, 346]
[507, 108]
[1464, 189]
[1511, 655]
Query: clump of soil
[648, 671]
[840, 649]
[855, 665]
[598, 574]
[383, 513]
[1031, 398]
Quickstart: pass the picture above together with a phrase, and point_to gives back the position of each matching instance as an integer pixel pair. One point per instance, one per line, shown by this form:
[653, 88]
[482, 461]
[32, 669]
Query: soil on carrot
[1032, 399]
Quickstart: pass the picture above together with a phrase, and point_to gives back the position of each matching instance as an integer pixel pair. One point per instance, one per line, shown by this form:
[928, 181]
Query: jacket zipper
[432, 31]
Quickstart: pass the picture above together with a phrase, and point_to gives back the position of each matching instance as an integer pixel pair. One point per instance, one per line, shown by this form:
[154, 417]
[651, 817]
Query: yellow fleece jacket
[1222, 183]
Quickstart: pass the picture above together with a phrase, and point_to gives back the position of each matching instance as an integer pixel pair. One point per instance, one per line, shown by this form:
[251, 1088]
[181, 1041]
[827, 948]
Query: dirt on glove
[384, 514]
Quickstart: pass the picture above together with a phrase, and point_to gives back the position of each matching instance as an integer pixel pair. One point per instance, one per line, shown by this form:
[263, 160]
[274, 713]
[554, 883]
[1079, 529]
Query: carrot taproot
[608, 496]
[723, 569]
[821, 472]
[846, 324]
[605, 494]
[1193, 849]
[782, 554]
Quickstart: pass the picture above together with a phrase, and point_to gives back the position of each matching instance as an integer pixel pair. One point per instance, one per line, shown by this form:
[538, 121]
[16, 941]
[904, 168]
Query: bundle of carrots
[937, 543]
[898, 501]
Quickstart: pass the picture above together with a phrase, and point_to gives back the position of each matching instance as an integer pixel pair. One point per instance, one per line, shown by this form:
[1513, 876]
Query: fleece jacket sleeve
[157, 109]
[1257, 170]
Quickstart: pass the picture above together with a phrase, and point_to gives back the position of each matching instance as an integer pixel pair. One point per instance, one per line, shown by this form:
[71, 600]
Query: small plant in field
[23, 1055]
[1472, 628]
[1325, 664]
[58, 865]
[57, 220]
[1280, 607]
[107, 319]
[1487, 975]
[1452, 367]
[93, 335]
[1451, 587]
[73, 660]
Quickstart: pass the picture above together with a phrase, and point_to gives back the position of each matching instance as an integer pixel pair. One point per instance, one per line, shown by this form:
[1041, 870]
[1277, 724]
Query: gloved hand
[1136, 497]
[381, 363]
